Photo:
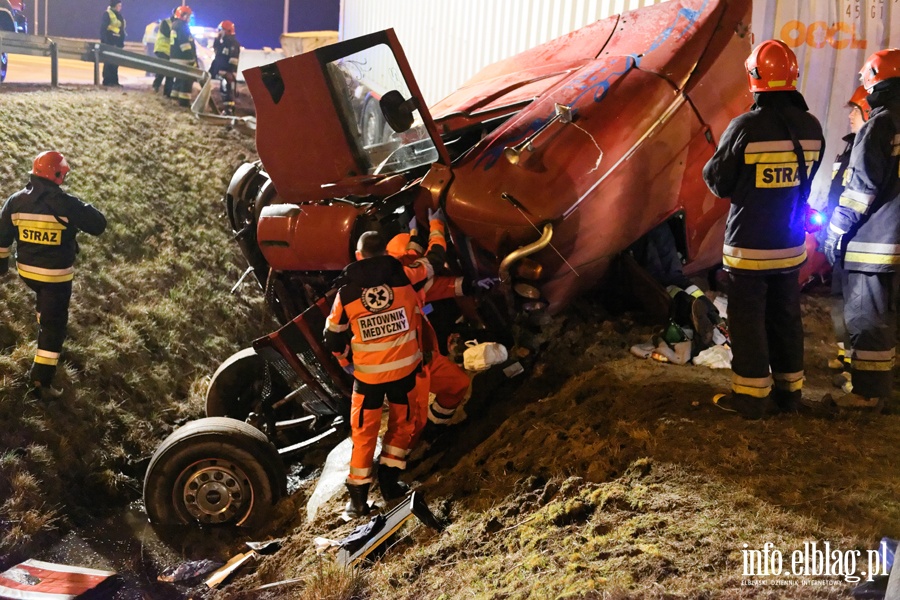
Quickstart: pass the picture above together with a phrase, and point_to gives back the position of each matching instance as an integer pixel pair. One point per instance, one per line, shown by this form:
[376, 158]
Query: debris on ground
[39, 580]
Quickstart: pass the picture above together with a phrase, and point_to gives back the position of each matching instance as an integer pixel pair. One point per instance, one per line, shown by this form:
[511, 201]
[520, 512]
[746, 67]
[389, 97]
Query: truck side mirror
[398, 112]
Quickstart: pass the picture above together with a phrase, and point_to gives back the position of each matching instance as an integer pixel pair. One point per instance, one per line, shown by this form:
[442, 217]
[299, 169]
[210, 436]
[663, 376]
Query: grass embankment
[151, 316]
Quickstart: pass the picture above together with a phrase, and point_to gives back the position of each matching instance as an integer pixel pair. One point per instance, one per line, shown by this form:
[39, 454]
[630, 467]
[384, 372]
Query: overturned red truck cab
[547, 164]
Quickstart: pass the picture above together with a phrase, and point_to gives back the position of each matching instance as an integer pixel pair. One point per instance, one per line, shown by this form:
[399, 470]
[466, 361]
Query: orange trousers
[404, 407]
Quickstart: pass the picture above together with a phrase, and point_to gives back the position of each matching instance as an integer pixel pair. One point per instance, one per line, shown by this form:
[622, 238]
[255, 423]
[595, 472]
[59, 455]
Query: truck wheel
[240, 384]
[4, 63]
[214, 471]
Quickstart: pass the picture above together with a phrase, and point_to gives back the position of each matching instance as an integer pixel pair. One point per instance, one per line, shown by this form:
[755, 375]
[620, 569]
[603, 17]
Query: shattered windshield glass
[359, 82]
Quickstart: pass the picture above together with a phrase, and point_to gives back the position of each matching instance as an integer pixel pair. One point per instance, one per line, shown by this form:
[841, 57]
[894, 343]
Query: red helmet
[52, 166]
[858, 99]
[183, 11]
[227, 27]
[884, 64]
[772, 67]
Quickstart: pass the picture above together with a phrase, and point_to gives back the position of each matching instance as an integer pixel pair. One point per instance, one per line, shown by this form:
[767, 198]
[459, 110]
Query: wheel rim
[215, 492]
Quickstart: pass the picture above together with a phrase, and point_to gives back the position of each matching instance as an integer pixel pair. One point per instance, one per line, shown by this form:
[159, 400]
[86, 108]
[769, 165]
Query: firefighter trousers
[870, 312]
[766, 333]
[365, 422]
[162, 80]
[52, 306]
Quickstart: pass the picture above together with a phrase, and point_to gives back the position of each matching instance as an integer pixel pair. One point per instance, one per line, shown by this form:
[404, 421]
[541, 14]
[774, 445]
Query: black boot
[787, 402]
[358, 506]
[390, 484]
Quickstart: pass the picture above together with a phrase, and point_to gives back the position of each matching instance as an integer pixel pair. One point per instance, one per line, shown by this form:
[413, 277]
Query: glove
[413, 225]
[832, 249]
[436, 215]
[348, 369]
[487, 283]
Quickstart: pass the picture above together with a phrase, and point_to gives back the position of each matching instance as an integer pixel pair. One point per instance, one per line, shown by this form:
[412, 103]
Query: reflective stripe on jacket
[377, 313]
[869, 210]
[182, 41]
[757, 167]
[43, 221]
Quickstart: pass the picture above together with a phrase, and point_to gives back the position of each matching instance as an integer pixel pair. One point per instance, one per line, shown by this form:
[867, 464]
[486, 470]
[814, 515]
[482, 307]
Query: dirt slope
[151, 316]
[605, 476]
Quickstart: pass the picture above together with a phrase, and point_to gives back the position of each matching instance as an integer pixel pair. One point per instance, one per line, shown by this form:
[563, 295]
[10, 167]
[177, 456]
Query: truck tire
[239, 384]
[214, 472]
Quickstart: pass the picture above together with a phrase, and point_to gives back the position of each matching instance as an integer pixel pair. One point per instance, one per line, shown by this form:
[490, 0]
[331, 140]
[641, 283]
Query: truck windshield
[359, 81]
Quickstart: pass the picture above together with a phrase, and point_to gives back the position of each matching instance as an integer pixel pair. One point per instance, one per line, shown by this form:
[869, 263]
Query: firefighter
[864, 236]
[225, 64]
[859, 114]
[112, 32]
[376, 328]
[443, 377]
[183, 51]
[764, 163]
[43, 220]
[162, 49]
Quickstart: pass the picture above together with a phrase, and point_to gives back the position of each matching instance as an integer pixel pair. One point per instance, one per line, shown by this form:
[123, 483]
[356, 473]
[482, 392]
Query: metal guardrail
[56, 48]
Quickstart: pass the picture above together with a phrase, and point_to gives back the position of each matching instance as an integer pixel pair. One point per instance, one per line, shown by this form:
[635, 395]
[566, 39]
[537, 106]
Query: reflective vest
[756, 166]
[115, 25]
[163, 37]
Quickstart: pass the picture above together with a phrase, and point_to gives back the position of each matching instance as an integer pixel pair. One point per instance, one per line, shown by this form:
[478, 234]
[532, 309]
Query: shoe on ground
[389, 483]
[843, 381]
[46, 392]
[704, 317]
[856, 401]
[746, 407]
[787, 402]
[358, 505]
[836, 363]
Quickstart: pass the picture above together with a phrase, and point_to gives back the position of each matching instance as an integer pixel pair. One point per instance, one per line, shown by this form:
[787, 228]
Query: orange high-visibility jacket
[376, 320]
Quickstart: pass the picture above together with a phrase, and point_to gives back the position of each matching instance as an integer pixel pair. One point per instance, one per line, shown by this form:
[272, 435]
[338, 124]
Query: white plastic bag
[479, 357]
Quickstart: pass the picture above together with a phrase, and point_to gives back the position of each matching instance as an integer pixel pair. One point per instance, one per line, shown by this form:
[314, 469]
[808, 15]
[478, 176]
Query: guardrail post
[97, 64]
[54, 65]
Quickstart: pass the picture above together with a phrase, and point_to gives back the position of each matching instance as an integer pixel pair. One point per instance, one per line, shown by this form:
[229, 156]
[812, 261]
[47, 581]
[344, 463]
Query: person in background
[162, 49]
[44, 220]
[864, 237]
[184, 51]
[764, 162]
[859, 114]
[225, 63]
[112, 33]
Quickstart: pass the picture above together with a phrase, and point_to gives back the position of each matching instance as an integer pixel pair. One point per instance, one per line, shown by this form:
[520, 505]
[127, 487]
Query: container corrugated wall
[448, 41]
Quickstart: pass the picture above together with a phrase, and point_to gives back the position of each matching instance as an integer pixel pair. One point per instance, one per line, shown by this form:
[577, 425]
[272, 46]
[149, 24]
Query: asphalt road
[36, 70]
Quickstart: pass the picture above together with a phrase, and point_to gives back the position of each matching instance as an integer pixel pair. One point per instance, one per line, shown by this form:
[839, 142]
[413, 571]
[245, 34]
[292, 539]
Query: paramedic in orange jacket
[376, 323]
[444, 378]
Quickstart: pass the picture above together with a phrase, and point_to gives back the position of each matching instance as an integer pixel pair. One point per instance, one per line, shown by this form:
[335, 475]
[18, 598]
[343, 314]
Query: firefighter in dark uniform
[112, 32]
[376, 323]
[163, 49]
[43, 220]
[859, 114]
[764, 163]
[225, 64]
[183, 51]
[864, 236]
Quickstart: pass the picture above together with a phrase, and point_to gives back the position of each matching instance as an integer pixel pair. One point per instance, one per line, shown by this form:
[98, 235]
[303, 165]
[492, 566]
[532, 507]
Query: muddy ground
[594, 475]
[600, 475]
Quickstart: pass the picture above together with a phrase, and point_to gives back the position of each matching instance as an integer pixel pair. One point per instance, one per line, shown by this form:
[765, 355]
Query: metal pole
[287, 11]
[97, 64]
[46, 10]
[54, 65]
[34, 27]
